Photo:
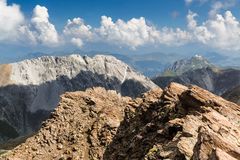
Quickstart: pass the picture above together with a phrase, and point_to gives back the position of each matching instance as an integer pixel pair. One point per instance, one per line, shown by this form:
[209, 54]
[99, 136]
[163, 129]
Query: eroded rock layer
[177, 123]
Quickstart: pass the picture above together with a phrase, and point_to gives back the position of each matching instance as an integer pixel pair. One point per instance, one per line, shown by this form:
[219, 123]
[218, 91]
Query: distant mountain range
[163, 68]
[199, 71]
[149, 64]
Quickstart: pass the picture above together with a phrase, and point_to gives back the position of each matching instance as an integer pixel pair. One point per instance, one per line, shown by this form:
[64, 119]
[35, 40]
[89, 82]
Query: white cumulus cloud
[77, 42]
[10, 19]
[174, 37]
[133, 33]
[77, 31]
[137, 32]
[219, 5]
[40, 30]
[199, 33]
[188, 2]
[220, 31]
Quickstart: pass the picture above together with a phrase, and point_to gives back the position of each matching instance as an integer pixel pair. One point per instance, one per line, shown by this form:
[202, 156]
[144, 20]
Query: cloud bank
[220, 31]
[39, 30]
[77, 32]
[10, 19]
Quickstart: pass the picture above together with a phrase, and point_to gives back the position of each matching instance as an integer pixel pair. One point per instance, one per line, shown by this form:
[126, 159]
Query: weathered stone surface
[77, 128]
[186, 123]
[177, 123]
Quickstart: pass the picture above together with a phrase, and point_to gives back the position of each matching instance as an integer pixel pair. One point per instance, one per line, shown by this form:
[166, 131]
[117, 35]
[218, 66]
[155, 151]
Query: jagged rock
[177, 123]
[30, 89]
[187, 123]
[72, 129]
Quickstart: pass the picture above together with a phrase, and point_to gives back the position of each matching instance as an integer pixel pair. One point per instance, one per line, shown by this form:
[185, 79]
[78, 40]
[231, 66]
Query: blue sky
[127, 26]
[157, 11]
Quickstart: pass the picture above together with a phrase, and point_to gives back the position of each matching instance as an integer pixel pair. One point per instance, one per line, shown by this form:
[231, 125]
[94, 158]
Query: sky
[123, 26]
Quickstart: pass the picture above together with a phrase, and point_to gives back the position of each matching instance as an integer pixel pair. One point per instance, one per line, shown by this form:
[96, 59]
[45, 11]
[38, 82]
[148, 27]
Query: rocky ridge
[177, 123]
[30, 89]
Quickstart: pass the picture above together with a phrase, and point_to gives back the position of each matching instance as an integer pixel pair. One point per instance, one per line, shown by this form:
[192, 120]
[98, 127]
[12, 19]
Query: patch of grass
[168, 73]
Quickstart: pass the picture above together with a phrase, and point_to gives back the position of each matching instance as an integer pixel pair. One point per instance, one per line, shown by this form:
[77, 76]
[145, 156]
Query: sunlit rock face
[30, 89]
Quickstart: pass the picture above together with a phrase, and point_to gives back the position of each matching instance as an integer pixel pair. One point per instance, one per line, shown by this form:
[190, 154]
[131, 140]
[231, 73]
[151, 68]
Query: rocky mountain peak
[179, 122]
[49, 68]
[198, 56]
[30, 89]
[181, 66]
[216, 80]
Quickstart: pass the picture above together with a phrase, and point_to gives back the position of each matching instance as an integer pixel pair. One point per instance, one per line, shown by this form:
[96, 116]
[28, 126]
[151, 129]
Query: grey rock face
[185, 65]
[217, 81]
[233, 95]
[30, 89]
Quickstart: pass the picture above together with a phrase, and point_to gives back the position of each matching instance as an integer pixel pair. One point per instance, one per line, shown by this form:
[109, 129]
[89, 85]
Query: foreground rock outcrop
[186, 123]
[177, 123]
[82, 125]
[30, 89]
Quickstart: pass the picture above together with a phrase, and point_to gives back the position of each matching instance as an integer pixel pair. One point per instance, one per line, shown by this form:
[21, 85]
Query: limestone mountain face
[30, 89]
[176, 123]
